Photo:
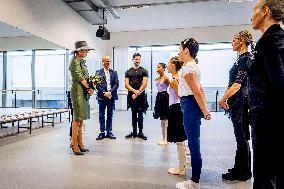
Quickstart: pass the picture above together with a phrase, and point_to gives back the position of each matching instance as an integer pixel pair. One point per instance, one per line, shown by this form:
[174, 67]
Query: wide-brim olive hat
[82, 45]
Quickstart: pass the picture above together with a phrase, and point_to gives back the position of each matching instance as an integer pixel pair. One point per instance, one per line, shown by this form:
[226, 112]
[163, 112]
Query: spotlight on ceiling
[103, 33]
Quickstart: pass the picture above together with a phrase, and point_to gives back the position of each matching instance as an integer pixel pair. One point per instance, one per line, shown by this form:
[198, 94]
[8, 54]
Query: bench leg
[52, 120]
[30, 125]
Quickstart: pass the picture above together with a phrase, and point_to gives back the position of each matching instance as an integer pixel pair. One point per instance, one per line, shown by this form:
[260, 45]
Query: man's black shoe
[141, 135]
[110, 135]
[134, 135]
[234, 177]
[101, 136]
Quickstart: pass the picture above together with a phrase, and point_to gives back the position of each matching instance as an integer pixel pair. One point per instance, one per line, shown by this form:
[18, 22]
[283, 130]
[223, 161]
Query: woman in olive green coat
[80, 92]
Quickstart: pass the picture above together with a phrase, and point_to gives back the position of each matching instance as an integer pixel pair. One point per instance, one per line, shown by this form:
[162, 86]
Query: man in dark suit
[106, 96]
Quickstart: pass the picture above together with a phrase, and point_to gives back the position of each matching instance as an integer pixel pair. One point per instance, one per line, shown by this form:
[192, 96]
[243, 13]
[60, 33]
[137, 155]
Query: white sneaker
[189, 184]
[162, 142]
[176, 171]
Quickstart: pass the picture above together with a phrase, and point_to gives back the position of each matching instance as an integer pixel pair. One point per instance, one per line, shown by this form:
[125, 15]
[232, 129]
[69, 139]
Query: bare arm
[85, 83]
[229, 92]
[202, 91]
[127, 85]
[198, 94]
[167, 80]
[174, 85]
[144, 85]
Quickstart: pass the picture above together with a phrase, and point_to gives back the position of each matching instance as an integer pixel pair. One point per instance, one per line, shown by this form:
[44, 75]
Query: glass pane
[50, 78]
[19, 79]
[215, 65]
[215, 60]
[93, 65]
[122, 62]
[1, 77]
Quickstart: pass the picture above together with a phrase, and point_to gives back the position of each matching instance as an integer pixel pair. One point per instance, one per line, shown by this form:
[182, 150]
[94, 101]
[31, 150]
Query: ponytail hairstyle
[276, 8]
[178, 64]
[75, 53]
[192, 46]
[247, 37]
[196, 60]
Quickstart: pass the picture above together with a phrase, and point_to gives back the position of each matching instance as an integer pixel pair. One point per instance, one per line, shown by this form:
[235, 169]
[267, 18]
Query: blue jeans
[103, 104]
[192, 120]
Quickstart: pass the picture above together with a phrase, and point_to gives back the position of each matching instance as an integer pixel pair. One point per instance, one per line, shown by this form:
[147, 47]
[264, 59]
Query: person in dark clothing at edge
[235, 100]
[266, 95]
[136, 79]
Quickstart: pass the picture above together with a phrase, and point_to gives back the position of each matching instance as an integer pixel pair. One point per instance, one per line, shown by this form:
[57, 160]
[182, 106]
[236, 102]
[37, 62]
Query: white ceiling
[184, 15]
[11, 31]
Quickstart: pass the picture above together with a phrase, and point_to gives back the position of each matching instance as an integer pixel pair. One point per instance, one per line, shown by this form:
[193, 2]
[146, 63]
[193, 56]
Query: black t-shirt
[135, 76]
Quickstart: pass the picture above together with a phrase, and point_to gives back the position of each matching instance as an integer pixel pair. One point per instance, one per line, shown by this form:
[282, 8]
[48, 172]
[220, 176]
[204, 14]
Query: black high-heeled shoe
[83, 149]
[76, 153]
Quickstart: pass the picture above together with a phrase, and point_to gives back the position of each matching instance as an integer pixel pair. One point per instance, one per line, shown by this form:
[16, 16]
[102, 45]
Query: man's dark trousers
[103, 104]
[137, 118]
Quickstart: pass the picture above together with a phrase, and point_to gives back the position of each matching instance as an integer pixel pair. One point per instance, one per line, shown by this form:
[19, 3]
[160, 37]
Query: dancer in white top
[193, 105]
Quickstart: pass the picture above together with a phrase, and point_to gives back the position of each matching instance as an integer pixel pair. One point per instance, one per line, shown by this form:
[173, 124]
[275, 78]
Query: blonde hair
[246, 36]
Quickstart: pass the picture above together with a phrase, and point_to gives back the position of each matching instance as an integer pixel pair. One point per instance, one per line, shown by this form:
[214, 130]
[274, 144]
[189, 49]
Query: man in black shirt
[266, 95]
[136, 79]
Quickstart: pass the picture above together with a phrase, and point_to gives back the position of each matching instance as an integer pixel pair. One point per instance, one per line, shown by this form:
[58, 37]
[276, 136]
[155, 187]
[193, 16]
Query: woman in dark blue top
[235, 101]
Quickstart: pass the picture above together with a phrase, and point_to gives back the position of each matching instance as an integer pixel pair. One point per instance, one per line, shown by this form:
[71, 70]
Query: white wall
[169, 37]
[52, 20]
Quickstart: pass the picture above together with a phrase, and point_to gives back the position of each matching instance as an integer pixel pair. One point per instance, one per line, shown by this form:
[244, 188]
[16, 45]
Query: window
[19, 69]
[1, 77]
[215, 60]
[49, 69]
[50, 78]
[19, 78]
